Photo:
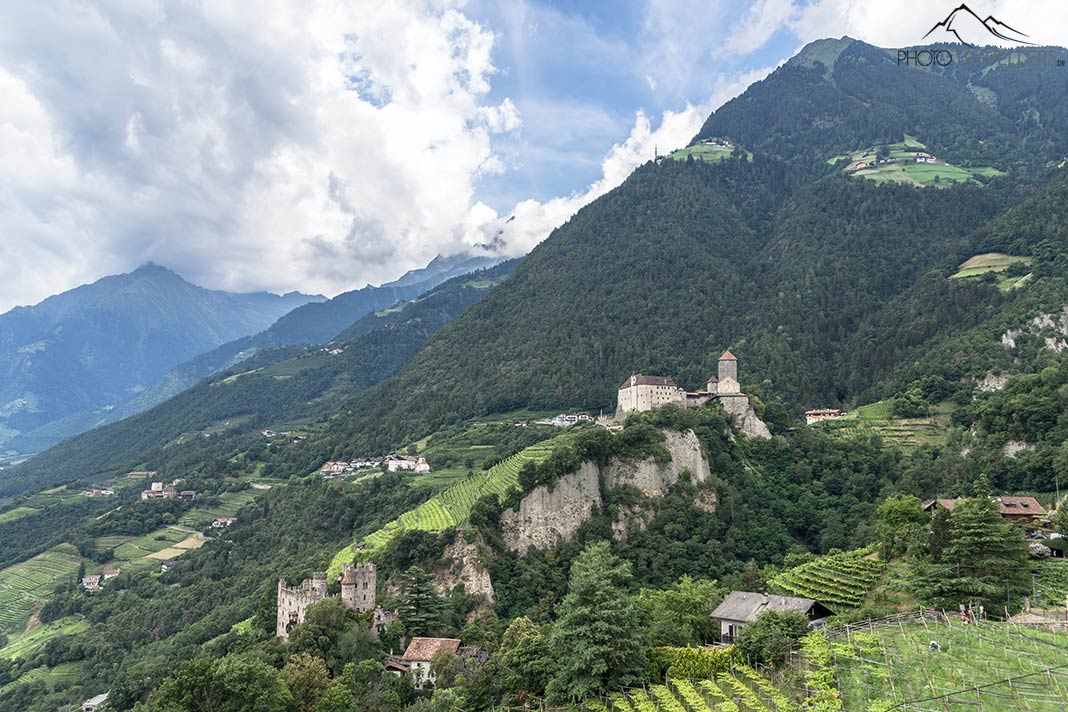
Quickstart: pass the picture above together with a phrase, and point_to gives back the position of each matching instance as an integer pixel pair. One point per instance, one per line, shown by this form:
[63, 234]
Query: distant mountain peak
[824, 51]
[151, 267]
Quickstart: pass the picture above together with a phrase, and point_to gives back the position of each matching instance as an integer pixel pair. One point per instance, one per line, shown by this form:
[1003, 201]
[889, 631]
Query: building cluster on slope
[563, 420]
[158, 490]
[394, 463]
[92, 582]
[820, 414]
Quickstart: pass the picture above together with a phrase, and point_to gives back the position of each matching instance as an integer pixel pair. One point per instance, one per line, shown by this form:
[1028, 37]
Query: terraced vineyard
[61, 675]
[451, 507]
[27, 584]
[25, 644]
[836, 581]
[877, 419]
[998, 667]
[743, 690]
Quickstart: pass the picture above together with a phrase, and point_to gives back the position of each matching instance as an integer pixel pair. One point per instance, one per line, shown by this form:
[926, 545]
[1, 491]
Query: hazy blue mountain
[100, 343]
[311, 322]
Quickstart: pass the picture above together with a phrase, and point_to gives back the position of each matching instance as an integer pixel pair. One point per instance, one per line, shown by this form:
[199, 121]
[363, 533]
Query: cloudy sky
[325, 145]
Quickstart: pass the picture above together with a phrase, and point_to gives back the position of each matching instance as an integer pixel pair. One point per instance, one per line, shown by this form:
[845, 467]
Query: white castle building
[640, 393]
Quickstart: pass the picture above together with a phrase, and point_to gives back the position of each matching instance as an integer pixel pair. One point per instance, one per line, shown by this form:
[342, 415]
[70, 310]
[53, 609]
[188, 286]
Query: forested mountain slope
[276, 386]
[309, 323]
[779, 260]
[98, 344]
[831, 288]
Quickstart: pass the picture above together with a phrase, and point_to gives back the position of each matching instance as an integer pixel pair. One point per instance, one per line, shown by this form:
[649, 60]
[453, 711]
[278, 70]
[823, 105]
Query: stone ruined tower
[348, 586]
[366, 579]
[728, 374]
[293, 602]
[319, 584]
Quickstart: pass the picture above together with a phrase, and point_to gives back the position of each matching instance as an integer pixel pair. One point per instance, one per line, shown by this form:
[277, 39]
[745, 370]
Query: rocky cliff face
[653, 478]
[463, 565]
[547, 515]
[745, 418]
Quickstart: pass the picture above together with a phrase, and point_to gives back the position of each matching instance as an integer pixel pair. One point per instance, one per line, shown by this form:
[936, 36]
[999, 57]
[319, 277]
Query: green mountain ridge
[314, 322]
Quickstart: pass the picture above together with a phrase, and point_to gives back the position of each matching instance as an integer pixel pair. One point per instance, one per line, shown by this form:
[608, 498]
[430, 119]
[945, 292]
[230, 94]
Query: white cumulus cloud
[248, 145]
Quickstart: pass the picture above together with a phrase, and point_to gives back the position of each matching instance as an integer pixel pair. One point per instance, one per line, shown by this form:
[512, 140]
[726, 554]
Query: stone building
[358, 586]
[357, 594]
[640, 393]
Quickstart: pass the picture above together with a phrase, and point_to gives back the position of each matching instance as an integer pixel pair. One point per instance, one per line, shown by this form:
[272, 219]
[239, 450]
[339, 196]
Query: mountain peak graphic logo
[963, 23]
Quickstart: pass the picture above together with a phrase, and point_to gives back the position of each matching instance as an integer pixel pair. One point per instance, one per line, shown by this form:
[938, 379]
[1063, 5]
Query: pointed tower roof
[348, 575]
[728, 356]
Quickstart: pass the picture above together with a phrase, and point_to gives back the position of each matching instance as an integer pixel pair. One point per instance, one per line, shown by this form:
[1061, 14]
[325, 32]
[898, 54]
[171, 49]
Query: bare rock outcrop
[630, 518]
[1013, 447]
[992, 382]
[549, 515]
[1051, 327]
[745, 418]
[654, 479]
[464, 565]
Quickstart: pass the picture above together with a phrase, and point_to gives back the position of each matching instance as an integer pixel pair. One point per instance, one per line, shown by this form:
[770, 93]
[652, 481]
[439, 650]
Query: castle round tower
[348, 587]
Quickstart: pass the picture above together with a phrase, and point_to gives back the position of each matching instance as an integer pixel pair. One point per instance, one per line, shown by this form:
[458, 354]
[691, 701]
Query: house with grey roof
[743, 607]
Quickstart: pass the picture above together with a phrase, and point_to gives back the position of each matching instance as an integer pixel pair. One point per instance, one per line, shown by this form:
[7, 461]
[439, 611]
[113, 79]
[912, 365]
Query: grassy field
[904, 168]
[972, 669]
[27, 643]
[452, 506]
[16, 513]
[705, 152]
[996, 262]
[229, 504]
[25, 585]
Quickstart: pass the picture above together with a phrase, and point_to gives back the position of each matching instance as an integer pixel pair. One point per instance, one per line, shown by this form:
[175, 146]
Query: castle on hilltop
[640, 393]
[357, 594]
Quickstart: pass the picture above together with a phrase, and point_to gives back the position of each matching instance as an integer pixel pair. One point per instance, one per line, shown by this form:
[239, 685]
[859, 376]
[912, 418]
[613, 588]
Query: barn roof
[746, 606]
[424, 649]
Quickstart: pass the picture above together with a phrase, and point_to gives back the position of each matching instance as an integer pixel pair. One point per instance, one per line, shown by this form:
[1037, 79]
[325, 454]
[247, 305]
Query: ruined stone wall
[293, 602]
